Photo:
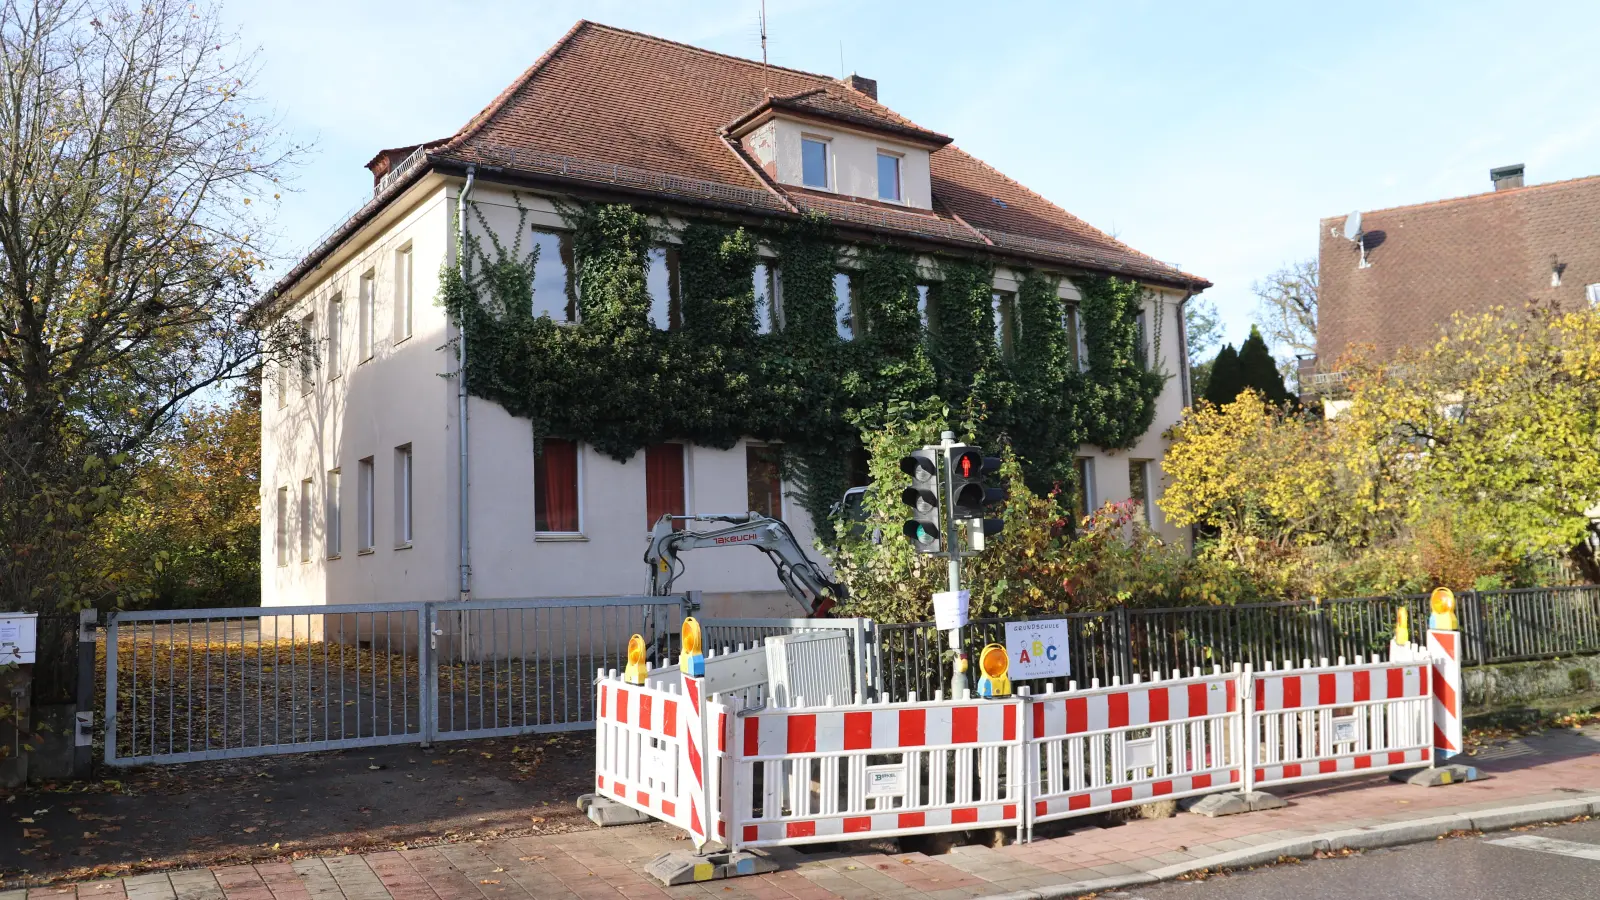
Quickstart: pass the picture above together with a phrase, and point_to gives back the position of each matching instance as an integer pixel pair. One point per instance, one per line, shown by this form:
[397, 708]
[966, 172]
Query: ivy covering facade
[618, 383]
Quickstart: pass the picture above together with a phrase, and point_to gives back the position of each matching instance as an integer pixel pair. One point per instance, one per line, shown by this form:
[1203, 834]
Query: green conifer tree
[1225, 381]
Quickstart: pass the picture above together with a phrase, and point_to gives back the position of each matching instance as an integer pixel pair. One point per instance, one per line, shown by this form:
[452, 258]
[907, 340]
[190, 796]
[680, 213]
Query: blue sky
[1212, 135]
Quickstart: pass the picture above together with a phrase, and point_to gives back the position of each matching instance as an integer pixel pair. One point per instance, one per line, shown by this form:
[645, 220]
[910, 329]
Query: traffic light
[922, 529]
[970, 497]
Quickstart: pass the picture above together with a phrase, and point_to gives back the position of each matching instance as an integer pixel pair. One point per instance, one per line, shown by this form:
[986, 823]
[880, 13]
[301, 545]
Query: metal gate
[188, 685]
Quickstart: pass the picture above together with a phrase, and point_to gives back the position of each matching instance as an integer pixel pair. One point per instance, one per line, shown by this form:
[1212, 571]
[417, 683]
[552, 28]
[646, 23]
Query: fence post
[111, 687]
[1125, 659]
[83, 727]
[1247, 726]
[428, 658]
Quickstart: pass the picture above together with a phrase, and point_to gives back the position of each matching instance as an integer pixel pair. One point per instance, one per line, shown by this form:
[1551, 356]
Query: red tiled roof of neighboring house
[611, 106]
[1429, 261]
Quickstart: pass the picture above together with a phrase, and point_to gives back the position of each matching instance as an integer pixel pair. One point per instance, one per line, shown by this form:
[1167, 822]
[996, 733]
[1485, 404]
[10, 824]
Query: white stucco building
[361, 450]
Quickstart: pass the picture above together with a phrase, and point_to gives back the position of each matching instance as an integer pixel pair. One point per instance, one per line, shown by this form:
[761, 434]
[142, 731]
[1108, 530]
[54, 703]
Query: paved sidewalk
[609, 863]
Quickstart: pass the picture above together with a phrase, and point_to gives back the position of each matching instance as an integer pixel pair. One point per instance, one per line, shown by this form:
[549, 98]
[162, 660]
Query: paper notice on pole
[950, 609]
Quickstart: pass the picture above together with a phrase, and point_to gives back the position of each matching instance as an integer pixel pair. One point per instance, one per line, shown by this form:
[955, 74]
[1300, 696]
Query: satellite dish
[1352, 226]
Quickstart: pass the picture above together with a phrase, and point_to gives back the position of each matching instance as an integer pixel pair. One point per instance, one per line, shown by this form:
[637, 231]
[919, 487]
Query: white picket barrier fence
[875, 770]
[1328, 721]
[852, 771]
[1109, 747]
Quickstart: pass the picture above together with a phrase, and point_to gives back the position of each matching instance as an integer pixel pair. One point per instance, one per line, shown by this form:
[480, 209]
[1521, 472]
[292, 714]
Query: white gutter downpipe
[465, 586]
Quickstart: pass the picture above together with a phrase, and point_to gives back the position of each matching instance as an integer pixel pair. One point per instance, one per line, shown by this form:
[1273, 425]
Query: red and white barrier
[1444, 650]
[770, 776]
[639, 747]
[1123, 745]
[1324, 721]
[875, 770]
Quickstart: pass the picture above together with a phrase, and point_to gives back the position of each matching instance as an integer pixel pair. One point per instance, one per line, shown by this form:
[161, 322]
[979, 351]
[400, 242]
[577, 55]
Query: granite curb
[1390, 835]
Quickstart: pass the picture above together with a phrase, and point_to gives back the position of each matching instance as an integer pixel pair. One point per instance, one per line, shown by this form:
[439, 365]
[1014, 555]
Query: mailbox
[19, 638]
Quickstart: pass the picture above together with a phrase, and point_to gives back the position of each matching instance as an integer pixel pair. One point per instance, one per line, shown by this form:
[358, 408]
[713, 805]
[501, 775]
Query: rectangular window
[308, 353]
[555, 488]
[402, 495]
[925, 306]
[280, 382]
[335, 334]
[1086, 499]
[1141, 346]
[763, 473]
[844, 303]
[367, 504]
[333, 516]
[554, 293]
[769, 299]
[664, 484]
[281, 542]
[365, 318]
[1593, 293]
[888, 177]
[1139, 488]
[666, 301]
[1005, 323]
[1080, 352]
[402, 294]
[305, 521]
[814, 163]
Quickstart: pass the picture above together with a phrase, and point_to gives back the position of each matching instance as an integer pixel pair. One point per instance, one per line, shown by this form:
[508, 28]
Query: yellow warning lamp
[994, 663]
[1402, 627]
[636, 670]
[693, 661]
[1444, 610]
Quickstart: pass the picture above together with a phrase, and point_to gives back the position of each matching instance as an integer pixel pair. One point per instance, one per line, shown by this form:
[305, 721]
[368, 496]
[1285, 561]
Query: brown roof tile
[608, 97]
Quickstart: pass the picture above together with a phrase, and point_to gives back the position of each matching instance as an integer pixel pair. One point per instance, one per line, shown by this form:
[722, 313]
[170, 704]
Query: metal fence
[1496, 626]
[186, 685]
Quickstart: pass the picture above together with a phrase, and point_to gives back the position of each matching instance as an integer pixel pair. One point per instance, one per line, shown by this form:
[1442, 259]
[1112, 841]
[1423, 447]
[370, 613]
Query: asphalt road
[1555, 863]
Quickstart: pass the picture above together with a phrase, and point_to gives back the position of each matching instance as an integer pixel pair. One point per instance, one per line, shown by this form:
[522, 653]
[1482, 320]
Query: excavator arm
[802, 578]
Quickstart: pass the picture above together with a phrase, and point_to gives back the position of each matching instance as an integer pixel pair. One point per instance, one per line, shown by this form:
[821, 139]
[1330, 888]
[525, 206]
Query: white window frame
[899, 175]
[367, 302]
[306, 487]
[1141, 324]
[308, 353]
[827, 161]
[281, 538]
[1592, 292]
[335, 333]
[366, 502]
[404, 513]
[404, 315]
[1090, 495]
[1081, 348]
[280, 382]
[333, 515]
[783, 486]
[1145, 468]
[774, 291]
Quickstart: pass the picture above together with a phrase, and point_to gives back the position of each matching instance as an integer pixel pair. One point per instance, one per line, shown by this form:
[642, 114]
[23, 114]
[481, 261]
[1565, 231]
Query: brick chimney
[868, 86]
[1506, 177]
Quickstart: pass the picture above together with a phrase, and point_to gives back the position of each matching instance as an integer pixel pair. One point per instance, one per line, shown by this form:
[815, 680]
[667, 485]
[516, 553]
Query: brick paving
[590, 865]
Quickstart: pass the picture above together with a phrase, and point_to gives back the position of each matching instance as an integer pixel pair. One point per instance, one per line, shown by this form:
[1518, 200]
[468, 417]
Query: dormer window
[813, 162]
[889, 176]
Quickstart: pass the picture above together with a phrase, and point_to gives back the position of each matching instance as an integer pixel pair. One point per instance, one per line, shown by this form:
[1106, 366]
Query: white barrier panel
[1326, 721]
[1103, 748]
[639, 747]
[1444, 649]
[875, 770]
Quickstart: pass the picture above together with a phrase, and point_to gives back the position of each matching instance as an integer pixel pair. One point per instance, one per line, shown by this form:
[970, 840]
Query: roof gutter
[462, 512]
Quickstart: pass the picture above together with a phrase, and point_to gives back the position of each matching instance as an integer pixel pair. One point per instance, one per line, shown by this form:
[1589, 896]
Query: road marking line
[1550, 845]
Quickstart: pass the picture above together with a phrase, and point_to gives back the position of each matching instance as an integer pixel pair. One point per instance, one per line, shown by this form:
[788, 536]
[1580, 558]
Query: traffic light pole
[952, 547]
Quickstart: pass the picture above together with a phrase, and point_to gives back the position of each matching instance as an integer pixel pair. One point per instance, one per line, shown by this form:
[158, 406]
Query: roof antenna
[764, 43]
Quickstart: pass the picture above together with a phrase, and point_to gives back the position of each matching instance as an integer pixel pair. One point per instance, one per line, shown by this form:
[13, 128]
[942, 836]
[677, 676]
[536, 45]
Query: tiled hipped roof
[1431, 261]
[619, 108]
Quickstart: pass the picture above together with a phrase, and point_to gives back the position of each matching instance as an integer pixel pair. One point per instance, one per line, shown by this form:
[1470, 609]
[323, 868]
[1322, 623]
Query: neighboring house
[360, 456]
[1422, 264]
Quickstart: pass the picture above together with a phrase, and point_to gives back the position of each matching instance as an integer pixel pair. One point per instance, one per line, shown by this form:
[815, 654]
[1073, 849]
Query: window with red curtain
[663, 483]
[555, 487]
[764, 479]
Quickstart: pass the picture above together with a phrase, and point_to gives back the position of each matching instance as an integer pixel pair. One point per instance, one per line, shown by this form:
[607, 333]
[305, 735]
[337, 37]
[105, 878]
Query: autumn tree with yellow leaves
[133, 178]
[1467, 460]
